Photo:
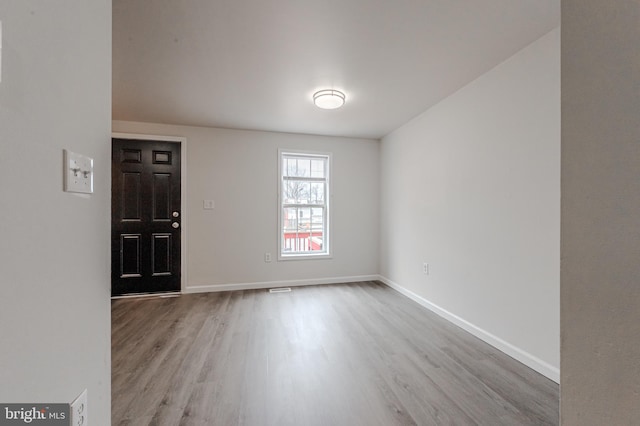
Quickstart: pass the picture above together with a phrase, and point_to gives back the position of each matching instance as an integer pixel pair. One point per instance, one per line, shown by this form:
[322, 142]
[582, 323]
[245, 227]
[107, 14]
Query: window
[304, 205]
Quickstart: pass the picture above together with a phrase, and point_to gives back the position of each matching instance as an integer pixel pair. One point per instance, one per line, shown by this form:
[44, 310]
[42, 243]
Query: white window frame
[326, 252]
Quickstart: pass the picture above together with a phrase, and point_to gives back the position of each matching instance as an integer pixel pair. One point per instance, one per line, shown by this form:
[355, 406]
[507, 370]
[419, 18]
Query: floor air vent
[280, 290]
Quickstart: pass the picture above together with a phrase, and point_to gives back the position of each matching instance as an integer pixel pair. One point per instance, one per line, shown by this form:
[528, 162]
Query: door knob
[175, 225]
[175, 214]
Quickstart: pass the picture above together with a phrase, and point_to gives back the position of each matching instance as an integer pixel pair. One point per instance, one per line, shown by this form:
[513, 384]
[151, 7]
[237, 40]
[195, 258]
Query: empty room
[331, 213]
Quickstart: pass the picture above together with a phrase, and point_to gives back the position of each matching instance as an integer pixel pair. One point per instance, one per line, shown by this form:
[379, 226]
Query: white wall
[472, 186]
[238, 170]
[55, 93]
[600, 278]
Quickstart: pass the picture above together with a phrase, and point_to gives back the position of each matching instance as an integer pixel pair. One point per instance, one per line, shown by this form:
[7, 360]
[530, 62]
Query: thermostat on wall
[78, 173]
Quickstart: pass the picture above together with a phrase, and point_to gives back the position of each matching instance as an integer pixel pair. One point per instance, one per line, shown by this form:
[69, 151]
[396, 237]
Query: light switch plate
[78, 173]
[80, 410]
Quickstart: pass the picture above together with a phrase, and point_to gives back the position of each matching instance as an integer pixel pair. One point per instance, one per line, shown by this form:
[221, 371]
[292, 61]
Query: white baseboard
[524, 357]
[205, 288]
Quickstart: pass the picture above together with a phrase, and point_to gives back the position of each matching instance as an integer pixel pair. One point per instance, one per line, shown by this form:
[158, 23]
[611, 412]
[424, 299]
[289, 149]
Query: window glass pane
[316, 193]
[289, 192]
[304, 167]
[317, 216]
[290, 219]
[317, 229]
[285, 166]
[317, 220]
[289, 230]
[305, 193]
[317, 242]
[317, 168]
[296, 192]
[304, 220]
[292, 167]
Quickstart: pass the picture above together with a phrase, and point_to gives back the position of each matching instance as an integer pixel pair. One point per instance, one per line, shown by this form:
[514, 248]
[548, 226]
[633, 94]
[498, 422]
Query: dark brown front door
[145, 216]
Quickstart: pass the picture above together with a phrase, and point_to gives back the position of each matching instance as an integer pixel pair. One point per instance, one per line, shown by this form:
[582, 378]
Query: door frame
[183, 191]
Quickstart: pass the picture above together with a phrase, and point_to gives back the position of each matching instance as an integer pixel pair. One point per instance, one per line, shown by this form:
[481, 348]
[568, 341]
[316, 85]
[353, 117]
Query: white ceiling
[254, 64]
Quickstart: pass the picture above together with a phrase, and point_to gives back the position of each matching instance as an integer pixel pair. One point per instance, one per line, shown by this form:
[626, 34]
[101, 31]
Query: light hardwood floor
[348, 354]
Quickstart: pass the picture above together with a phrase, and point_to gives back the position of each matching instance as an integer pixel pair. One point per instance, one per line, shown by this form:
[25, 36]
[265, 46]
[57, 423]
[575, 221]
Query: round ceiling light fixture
[329, 99]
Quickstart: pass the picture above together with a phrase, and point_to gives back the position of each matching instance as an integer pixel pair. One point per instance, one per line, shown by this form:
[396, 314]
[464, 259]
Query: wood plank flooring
[347, 354]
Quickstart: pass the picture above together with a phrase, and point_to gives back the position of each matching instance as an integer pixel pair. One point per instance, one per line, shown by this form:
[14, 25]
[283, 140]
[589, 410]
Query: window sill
[285, 257]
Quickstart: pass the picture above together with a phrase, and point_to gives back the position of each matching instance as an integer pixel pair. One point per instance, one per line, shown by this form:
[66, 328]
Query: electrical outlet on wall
[425, 268]
[79, 410]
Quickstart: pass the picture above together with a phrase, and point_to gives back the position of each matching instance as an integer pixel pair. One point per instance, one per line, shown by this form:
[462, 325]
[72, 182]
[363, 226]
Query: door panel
[145, 220]
[161, 254]
[131, 187]
[161, 196]
[130, 255]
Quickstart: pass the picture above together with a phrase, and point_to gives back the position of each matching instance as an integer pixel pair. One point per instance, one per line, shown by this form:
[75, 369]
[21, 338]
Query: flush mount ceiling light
[328, 99]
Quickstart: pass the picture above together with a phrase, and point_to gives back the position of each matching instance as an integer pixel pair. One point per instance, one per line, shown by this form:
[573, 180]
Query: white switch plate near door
[78, 173]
